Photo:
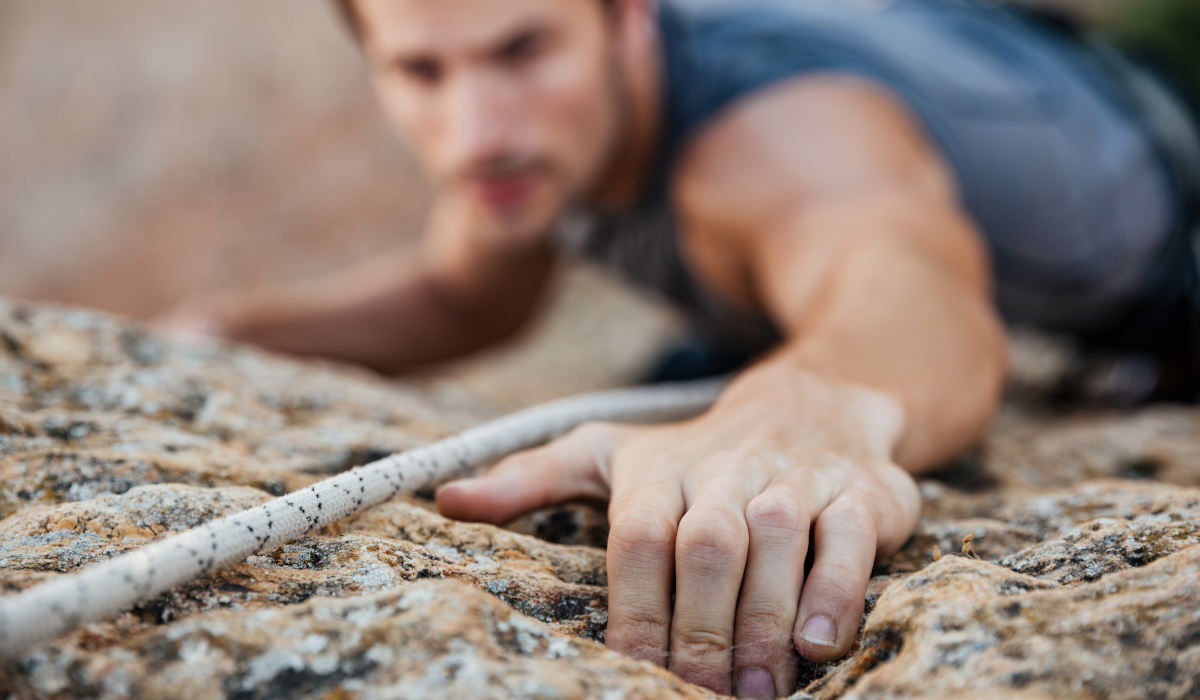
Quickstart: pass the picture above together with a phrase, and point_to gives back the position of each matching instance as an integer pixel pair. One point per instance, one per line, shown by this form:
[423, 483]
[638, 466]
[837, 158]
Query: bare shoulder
[814, 138]
[789, 179]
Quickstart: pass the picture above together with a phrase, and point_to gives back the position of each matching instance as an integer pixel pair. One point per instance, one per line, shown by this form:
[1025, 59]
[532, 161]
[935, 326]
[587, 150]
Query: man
[850, 195]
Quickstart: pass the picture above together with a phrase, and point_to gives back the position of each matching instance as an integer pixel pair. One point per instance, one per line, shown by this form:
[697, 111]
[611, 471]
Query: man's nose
[481, 124]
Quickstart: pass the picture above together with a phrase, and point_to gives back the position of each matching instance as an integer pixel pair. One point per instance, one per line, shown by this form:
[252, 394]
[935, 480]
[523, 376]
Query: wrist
[782, 392]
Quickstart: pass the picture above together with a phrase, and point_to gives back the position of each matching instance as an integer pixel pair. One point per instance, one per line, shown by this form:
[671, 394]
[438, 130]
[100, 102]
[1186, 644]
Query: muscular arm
[864, 257]
[462, 293]
[822, 204]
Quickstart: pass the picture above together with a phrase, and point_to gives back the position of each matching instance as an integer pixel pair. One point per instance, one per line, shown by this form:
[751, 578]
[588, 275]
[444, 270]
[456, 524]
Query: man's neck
[642, 70]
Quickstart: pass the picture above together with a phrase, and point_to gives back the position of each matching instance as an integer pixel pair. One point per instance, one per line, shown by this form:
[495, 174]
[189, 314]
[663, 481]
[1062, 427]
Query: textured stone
[65, 538]
[963, 626]
[101, 407]
[427, 640]
[1161, 443]
[1086, 585]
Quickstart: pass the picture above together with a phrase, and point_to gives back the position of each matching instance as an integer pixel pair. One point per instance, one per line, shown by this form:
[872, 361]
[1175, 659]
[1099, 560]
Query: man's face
[514, 105]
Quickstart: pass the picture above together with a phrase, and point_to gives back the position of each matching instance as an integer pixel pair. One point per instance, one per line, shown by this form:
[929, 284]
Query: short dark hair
[345, 9]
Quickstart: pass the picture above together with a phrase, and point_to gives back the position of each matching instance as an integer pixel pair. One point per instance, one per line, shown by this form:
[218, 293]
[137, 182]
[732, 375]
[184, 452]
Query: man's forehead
[398, 27]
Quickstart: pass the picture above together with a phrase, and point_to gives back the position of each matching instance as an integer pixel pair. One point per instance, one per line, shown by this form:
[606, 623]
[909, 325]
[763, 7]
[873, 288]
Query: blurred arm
[863, 256]
[462, 293]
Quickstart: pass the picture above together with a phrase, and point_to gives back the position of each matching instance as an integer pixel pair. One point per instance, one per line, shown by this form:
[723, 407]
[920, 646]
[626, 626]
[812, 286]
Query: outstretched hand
[712, 521]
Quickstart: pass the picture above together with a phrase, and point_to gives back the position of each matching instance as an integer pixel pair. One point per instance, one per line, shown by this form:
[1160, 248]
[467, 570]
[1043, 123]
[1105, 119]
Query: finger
[764, 659]
[571, 467]
[710, 558]
[193, 320]
[898, 508]
[831, 604]
[641, 569]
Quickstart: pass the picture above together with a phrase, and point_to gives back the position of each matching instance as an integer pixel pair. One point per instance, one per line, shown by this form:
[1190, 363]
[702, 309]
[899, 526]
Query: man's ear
[639, 12]
[349, 15]
[637, 24]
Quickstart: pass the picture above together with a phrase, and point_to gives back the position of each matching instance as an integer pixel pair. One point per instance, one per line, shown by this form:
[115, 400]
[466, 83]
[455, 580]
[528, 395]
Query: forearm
[388, 316]
[895, 320]
[388, 329]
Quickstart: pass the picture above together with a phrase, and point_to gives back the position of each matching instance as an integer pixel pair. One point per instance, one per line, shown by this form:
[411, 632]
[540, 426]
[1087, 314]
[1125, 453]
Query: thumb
[574, 466]
[195, 317]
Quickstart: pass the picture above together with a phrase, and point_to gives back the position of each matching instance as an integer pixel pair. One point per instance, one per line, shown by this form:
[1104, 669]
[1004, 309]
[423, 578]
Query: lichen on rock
[1087, 582]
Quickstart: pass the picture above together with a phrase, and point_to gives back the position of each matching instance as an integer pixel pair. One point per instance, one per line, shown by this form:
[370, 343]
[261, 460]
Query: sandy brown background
[150, 149]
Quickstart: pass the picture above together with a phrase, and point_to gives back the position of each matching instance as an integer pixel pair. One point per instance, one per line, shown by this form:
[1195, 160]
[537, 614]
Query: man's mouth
[504, 192]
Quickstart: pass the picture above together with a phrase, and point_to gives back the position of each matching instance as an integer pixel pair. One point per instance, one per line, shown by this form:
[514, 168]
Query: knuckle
[644, 626]
[640, 527]
[779, 512]
[701, 643]
[638, 636]
[837, 582]
[762, 624]
[850, 517]
[712, 532]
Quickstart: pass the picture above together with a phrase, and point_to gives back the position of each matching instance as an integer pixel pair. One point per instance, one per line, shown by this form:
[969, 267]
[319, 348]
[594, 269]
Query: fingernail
[755, 683]
[819, 630]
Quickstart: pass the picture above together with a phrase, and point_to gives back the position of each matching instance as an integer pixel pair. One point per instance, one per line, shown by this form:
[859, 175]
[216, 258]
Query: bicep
[802, 259]
[802, 177]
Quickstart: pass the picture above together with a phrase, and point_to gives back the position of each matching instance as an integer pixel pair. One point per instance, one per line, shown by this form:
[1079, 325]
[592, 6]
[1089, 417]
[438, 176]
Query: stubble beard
[619, 137]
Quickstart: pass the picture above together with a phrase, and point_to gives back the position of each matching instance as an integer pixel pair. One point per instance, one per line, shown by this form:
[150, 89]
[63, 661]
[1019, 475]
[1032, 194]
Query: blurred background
[154, 149]
[151, 149]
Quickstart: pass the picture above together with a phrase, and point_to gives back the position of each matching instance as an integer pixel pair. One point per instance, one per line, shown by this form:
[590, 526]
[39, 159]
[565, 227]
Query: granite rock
[1081, 578]
[963, 627]
[425, 640]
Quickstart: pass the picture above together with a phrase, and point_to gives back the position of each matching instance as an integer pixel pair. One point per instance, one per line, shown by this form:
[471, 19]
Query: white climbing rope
[46, 611]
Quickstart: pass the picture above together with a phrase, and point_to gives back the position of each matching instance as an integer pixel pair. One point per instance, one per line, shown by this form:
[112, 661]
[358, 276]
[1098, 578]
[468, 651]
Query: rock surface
[1087, 582]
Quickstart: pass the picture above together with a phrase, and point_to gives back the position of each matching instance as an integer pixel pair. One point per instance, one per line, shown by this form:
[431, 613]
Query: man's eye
[522, 48]
[422, 70]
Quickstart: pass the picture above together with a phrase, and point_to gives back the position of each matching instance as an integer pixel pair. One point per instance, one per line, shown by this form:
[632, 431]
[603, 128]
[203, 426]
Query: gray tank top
[1075, 204]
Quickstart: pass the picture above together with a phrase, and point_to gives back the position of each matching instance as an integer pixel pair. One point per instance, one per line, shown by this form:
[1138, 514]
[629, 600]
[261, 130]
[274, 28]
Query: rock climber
[849, 201]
